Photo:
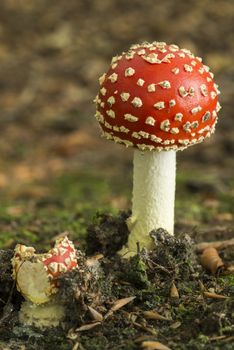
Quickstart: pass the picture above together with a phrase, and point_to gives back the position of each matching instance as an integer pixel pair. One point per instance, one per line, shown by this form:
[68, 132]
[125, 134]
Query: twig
[159, 267]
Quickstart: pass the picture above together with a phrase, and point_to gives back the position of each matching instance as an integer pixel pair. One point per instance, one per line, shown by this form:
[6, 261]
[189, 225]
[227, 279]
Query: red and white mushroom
[159, 99]
[61, 258]
[36, 277]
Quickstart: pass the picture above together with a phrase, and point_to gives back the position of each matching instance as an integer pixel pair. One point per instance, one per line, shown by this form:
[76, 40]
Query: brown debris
[149, 330]
[201, 286]
[154, 345]
[175, 325]
[118, 305]
[95, 314]
[92, 261]
[211, 260]
[121, 302]
[219, 245]
[174, 291]
[228, 270]
[154, 315]
[214, 295]
[87, 327]
[76, 346]
[219, 337]
[142, 338]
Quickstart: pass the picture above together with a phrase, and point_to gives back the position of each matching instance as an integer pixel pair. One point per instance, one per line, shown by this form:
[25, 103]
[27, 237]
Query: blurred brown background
[51, 55]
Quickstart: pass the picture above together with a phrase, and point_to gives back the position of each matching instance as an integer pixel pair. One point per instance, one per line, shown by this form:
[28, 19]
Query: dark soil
[103, 235]
[189, 320]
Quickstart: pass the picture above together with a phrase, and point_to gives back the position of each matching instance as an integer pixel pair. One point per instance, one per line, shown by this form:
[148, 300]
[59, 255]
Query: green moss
[94, 343]
[137, 273]
[83, 186]
[73, 201]
[227, 201]
[150, 298]
[188, 312]
[189, 203]
[199, 343]
[227, 280]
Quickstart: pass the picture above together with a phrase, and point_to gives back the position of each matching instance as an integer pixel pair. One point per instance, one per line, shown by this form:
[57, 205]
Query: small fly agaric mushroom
[159, 99]
[36, 279]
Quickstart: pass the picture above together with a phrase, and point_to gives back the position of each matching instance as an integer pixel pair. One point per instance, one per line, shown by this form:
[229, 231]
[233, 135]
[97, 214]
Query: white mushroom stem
[153, 196]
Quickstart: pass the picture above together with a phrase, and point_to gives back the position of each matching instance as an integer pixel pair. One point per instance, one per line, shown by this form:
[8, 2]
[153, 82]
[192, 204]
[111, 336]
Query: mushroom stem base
[41, 316]
[153, 197]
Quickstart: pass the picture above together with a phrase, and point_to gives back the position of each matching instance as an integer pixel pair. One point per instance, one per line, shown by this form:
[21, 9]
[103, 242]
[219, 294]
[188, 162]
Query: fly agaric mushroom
[36, 279]
[159, 99]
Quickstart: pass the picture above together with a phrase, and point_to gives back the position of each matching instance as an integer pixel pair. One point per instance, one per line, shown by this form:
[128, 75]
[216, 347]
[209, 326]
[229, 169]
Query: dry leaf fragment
[72, 335]
[76, 346]
[87, 327]
[95, 314]
[219, 337]
[154, 345]
[174, 291]
[200, 247]
[201, 286]
[214, 295]
[93, 260]
[154, 315]
[176, 325]
[229, 269]
[142, 338]
[211, 260]
[229, 339]
[150, 329]
[118, 305]
[121, 302]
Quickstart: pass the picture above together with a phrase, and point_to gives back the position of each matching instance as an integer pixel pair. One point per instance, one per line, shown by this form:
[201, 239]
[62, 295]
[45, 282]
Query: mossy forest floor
[71, 203]
[57, 174]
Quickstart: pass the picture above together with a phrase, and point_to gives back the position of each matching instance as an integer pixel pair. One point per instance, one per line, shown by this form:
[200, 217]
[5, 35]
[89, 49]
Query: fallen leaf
[95, 314]
[154, 345]
[219, 245]
[174, 291]
[118, 305]
[211, 260]
[154, 315]
[214, 295]
[121, 302]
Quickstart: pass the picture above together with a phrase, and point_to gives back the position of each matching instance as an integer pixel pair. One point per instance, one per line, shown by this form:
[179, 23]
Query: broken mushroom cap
[157, 97]
[61, 258]
[36, 274]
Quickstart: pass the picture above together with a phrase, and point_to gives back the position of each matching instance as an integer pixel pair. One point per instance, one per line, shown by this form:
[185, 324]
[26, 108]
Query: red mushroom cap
[61, 258]
[157, 96]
